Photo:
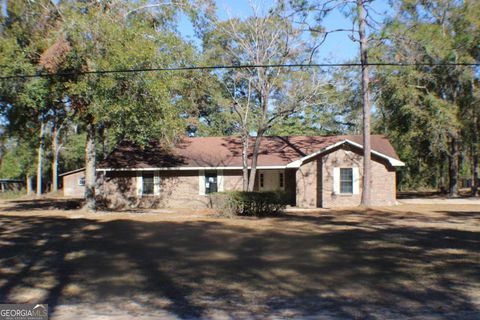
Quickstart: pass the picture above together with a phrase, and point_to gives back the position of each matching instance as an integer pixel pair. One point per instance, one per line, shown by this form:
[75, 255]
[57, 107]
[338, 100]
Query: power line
[246, 66]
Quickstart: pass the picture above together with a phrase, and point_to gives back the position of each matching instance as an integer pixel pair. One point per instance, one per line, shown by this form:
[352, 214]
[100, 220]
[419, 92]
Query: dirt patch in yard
[410, 261]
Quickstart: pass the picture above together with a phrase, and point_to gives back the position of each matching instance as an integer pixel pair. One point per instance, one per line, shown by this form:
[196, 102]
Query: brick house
[314, 171]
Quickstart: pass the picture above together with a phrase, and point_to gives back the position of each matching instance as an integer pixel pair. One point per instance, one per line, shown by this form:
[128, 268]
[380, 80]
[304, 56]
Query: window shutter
[356, 181]
[201, 182]
[156, 183]
[139, 183]
[336, 180]
[220, 180]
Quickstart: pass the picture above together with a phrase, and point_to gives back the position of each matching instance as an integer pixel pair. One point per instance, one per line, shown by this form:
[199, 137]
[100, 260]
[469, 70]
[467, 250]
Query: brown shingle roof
[227, 151]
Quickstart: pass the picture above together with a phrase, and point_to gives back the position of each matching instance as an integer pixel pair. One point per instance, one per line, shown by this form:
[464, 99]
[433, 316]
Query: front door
[270, 180]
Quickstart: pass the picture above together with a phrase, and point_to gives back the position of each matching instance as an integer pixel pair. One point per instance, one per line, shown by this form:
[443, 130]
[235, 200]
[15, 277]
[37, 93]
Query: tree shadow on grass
[44, 204]
[473, 215]
[348, 265]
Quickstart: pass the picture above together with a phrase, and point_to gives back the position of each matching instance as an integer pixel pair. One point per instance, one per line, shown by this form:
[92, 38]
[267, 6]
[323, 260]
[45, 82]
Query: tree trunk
[475, 171]
[29, 181]
[40, 158]
[366, 201]
[103, 136]
[475, 181]
[253, 169]
[90, 175]
[245, 137]
[55, 152]
[453, 168]
[440, 183]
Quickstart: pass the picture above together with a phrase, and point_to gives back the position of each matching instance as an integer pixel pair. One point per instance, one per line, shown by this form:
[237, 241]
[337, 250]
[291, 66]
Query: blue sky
[337, 48]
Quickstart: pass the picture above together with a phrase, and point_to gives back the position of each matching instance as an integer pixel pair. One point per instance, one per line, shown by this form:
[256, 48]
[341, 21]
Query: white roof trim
[393, 162]
[294, 164]
[71, 172]
[188, 168]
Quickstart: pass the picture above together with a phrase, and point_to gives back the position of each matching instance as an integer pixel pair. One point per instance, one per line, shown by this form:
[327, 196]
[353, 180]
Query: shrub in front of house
[242, 203]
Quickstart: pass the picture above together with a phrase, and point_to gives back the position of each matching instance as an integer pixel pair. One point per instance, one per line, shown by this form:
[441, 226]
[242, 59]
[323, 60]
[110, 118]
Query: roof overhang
[294, 164]
[393, 162]
[71, 172]
[189, 168]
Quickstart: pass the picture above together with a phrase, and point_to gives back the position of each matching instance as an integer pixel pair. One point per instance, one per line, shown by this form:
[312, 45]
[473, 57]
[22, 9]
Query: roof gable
[395, 162]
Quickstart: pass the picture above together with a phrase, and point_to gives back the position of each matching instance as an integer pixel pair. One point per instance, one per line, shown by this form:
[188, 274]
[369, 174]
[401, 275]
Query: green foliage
[208, 111]
[18, 161]
[134, 106]
[73, 152]
[242, 203]
[424, 110]
[28, 105]
[336, 110]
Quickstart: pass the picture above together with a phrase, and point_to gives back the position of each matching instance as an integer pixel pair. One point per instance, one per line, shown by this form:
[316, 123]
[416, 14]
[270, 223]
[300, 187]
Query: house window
[211, 184]
[81, 181]
[261, 180]
[346, 180]
[147, 186]
[281, 179]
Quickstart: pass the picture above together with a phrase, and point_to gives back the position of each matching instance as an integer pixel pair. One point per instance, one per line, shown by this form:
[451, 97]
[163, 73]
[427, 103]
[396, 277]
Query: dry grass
[383, 263]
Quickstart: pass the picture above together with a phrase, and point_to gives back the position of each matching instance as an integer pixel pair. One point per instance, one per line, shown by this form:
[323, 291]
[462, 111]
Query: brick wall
[312, 182]
[178, 189]
[315, 180]
[118, 189]
[307, 185]
[71, 187]
[383, 179]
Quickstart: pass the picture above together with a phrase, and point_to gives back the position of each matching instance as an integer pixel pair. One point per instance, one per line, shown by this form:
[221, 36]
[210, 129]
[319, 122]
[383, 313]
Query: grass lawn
[408, 261]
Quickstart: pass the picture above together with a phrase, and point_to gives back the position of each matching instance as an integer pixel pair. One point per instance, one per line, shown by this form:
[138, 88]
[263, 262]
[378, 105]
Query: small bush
[241, 203]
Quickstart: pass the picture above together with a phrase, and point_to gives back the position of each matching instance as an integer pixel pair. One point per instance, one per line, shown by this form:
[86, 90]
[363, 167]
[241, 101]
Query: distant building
[11, 185]
[74, 183]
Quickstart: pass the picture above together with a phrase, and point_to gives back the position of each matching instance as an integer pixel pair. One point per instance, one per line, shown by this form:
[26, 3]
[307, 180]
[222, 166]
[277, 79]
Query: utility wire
[245, 66]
